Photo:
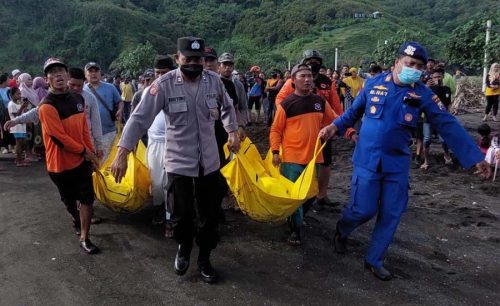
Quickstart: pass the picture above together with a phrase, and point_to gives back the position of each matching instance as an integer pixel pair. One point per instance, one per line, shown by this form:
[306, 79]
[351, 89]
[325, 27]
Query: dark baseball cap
[52, 62]
[191, 46]
[226, 57]
[415, 50]
[210, 53]
[164, 62]
[148, 74]
[92, 65]
[300, 67]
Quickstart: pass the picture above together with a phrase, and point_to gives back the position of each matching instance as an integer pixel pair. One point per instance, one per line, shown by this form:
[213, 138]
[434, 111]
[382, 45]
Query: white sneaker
[494, 118]
[4, 151]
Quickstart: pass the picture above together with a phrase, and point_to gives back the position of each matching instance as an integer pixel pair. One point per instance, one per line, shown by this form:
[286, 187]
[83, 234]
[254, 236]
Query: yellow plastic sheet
[261, 191]
[133, 191]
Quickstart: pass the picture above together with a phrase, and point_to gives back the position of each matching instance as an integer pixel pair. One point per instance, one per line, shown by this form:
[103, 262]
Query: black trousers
[491, 104]
[194, 208]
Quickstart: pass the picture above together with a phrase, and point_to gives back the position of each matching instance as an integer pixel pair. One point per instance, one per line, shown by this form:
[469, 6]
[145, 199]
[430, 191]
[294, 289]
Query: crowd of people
[185, 112]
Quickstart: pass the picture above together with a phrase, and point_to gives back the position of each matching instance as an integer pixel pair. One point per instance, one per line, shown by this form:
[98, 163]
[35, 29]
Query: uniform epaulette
[167, 76]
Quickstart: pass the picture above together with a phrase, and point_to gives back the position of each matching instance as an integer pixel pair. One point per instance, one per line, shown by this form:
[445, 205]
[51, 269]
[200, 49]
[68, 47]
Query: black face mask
[192, 71]
[315, 67]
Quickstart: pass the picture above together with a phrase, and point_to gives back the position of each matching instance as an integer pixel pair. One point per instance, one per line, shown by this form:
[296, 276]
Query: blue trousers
[375, 193]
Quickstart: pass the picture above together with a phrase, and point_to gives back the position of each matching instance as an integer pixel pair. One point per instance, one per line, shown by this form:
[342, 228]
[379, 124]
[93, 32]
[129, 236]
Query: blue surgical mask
[409, 75]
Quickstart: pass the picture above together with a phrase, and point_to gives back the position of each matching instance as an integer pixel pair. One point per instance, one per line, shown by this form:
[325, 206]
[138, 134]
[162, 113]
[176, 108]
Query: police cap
[415, 50]
[191, 46]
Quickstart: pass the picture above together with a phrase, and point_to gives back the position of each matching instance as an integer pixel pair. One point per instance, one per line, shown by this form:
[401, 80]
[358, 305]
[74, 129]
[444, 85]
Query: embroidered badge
[323, 86]
[414, 95]
[79, 106]
[375, 99]
[440, 104]
[153, 90]
[408, 117]
[373, 110]
[388, 78]
[380, 87]
[317, 106]
[410, 50]
[378, 92]
[195, 45]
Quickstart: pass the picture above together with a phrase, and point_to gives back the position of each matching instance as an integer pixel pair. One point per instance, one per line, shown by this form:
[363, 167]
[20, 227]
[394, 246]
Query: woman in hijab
[41, 88]
[34, 139]
[27, 91]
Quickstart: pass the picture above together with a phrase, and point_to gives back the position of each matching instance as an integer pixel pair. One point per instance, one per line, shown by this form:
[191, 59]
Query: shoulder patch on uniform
[317, 106]
[154, 89]
[440, 104]
[388, 78]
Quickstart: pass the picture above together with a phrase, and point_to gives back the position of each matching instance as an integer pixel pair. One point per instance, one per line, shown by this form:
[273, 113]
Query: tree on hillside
[134, 62]
[466, 45]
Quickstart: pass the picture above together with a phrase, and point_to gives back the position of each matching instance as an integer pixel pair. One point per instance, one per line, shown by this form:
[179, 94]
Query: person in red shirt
[70, 156]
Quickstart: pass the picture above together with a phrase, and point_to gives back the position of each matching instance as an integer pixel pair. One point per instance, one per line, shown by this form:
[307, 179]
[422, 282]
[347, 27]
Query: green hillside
[268, 33]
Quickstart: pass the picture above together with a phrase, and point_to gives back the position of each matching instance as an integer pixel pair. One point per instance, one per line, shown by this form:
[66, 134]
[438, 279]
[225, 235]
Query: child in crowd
[16, 107]
[489, 144]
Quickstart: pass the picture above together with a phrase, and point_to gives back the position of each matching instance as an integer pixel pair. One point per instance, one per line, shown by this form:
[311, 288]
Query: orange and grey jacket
[64, 129]
[325, 88]
[296, 126]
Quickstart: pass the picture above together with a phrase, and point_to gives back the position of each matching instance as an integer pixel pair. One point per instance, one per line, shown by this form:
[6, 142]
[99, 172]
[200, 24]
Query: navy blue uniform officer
[391, 103]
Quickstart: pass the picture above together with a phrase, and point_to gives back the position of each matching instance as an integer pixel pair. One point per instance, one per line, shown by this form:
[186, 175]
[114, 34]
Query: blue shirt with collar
[390, 114]
[111, 97]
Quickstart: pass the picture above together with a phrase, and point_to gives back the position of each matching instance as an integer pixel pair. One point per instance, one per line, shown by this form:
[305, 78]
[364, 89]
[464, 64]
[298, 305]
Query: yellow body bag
[261, 191]
[133, 191]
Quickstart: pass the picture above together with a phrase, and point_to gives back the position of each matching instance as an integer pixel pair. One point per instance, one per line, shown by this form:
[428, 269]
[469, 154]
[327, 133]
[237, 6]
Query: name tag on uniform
[177, 104]
[211, 96]
[378, 92]
[175, 99]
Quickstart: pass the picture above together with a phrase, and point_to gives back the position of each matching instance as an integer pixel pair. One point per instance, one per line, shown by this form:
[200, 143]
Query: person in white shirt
[16, 107]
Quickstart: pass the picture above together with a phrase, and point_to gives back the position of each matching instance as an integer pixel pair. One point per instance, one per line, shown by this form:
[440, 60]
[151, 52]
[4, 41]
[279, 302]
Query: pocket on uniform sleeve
[177, 113]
